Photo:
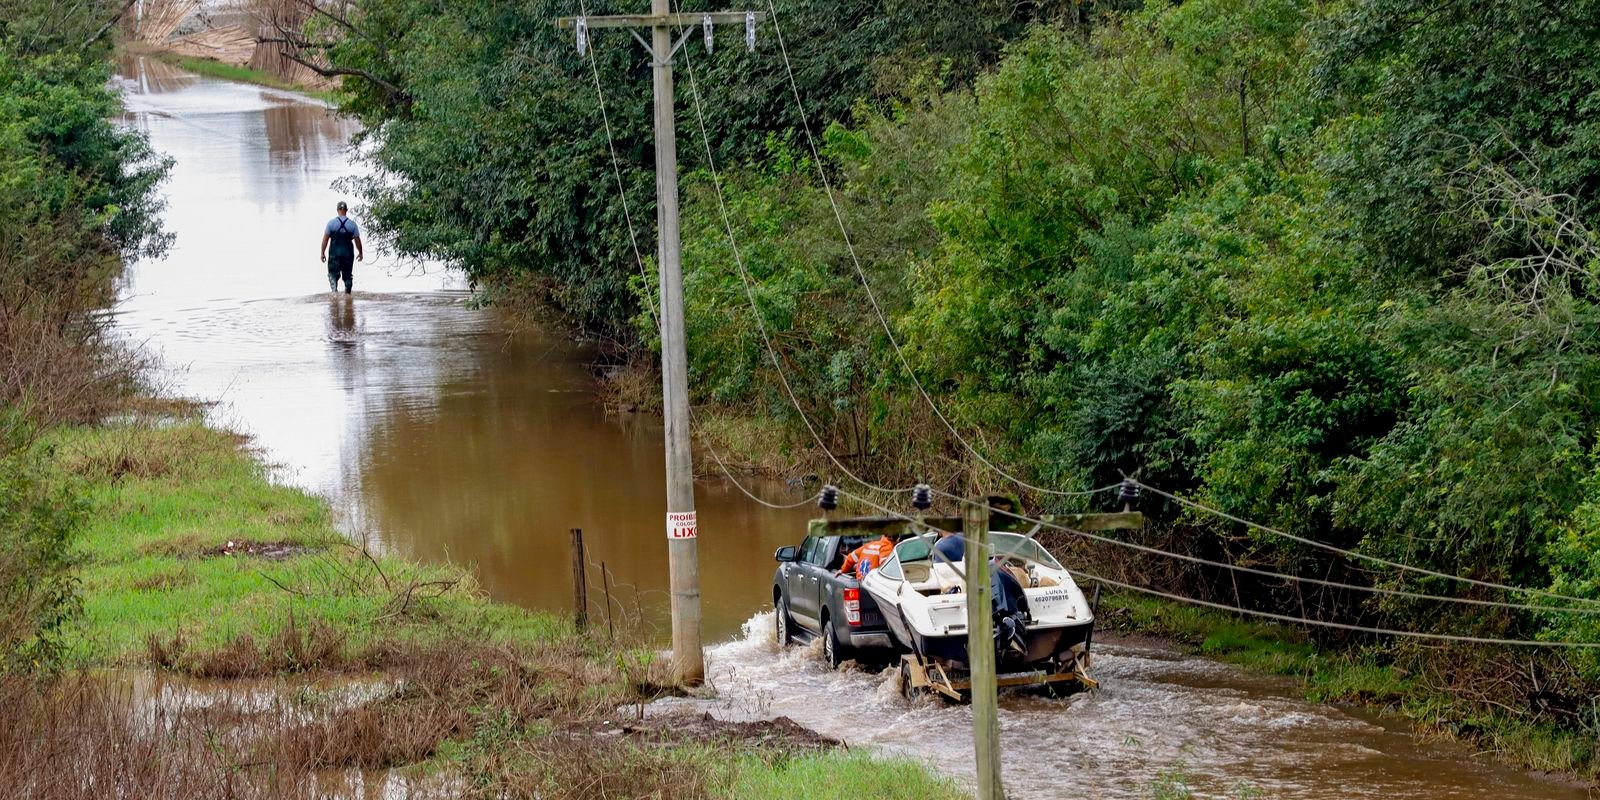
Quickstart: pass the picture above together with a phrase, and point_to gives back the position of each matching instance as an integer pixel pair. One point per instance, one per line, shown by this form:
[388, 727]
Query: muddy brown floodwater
[436, 434]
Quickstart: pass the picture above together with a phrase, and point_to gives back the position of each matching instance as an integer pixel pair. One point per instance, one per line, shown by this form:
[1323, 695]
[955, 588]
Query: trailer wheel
[907, 690]
[782, 626]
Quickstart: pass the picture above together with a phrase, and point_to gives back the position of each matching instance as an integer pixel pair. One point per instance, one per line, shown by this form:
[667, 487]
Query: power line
[616, 169]
[1358, 555]
[638, 257]
[1449, 637]
[900, 355]
[1273, 574]
[861, 274]
[746, 282]
[726, 473]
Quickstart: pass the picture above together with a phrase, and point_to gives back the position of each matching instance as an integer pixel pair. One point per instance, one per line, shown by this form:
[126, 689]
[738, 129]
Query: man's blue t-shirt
[953, 548]
[342, 230]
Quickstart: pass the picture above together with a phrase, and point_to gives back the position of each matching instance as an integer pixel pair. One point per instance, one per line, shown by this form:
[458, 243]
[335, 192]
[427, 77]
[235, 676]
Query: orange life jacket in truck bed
[867, 557]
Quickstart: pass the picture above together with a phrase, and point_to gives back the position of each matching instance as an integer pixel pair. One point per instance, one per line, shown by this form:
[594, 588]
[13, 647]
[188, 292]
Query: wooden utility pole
[688, 659]
[980, 651]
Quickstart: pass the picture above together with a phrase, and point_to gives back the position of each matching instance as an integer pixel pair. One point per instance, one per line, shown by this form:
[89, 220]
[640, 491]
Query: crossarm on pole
[657, 20]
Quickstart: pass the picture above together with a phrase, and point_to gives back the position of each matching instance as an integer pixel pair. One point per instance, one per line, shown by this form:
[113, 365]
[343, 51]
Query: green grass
[835, 775]
[1270, 647]
[217, 69]
[162, 500]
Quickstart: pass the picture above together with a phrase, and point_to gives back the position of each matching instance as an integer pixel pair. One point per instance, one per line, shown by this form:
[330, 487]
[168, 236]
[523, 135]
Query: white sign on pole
[682, 525]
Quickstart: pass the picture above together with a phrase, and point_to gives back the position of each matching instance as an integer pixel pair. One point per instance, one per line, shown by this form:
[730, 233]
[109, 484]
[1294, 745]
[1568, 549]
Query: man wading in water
[342, 232]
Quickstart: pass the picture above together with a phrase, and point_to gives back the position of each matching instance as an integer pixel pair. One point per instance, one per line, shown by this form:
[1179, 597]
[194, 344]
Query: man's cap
[343, 207]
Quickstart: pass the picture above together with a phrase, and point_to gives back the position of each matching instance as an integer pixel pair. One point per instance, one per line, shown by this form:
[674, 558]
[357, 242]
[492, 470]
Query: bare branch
[345, 23]
[110, 23]
[1559, 253]
[295, 43]
[390, 89]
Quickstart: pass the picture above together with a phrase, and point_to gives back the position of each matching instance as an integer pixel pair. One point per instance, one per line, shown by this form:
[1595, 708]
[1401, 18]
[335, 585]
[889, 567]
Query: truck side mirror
[787, 553]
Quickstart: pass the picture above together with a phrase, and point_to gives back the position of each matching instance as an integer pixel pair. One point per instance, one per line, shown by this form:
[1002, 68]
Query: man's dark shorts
[341, 266]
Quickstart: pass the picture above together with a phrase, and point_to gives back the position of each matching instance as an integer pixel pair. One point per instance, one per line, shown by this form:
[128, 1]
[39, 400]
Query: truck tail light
[852, 606]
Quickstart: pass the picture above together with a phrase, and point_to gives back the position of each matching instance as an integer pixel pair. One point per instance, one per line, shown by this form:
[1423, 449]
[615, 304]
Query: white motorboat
[1043, 622]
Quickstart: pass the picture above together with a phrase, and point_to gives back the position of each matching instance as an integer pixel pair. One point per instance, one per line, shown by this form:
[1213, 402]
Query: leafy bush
[39, 519]
[77, 196]
[1140, 251]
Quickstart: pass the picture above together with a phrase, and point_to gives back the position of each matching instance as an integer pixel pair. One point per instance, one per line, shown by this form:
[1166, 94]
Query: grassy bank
[1392, 678]
[193, 563]
[231, 72]
[186, 538]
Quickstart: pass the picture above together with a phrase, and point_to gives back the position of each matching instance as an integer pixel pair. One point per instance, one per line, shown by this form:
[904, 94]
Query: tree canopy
[1329, 267]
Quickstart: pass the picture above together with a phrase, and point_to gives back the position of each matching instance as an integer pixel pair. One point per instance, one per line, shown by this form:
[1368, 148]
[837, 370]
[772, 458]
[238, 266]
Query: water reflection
[511, 453]
[298, 133]
[150, 75]
[435, 434]
[342, 321]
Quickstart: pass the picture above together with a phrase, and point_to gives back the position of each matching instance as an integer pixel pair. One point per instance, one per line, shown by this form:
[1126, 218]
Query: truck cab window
[815, 551]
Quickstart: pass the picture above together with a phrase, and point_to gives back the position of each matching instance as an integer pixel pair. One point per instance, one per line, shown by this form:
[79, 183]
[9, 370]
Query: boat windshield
[920, 548]
[1015, 544]
[913, 550]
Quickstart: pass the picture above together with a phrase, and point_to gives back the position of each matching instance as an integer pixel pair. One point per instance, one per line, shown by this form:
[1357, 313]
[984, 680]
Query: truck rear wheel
[832, 651]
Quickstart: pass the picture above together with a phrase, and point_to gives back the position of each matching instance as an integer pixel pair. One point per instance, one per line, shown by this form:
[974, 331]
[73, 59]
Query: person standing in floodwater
[345, 237]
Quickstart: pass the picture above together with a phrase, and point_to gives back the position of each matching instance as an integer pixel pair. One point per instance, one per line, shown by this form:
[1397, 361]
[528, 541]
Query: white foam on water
[1157, 714]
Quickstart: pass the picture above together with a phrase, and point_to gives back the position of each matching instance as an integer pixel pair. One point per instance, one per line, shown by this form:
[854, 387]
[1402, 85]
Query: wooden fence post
[580, 582]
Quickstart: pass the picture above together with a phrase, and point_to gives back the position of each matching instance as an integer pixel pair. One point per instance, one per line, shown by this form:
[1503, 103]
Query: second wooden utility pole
[683, 557]
[980, 651]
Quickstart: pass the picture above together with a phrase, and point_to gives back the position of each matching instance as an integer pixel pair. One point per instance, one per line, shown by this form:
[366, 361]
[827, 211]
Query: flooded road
[1160, 719]
[437, 434]
[434, 432]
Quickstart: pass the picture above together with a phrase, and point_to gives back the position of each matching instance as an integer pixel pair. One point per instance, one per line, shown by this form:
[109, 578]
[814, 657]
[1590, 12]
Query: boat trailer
[951, 679]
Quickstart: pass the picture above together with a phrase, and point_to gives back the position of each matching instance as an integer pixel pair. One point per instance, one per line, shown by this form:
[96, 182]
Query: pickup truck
[812, 601]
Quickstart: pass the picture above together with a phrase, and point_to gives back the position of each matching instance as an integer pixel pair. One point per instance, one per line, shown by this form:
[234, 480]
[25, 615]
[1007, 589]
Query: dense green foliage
[492, 153]
[1178, 247]
[1329, 267]
[76, 197]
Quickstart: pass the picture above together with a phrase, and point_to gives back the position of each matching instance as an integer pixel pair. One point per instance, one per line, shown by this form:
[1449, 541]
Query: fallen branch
[405, 596]
[274, 582]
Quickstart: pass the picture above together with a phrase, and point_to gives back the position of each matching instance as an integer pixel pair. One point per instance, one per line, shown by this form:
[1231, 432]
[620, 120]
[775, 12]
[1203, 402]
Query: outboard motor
[1010, 615]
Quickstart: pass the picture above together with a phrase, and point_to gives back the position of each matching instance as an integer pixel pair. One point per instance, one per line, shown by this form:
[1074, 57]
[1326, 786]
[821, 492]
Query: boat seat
[1019, 573]
[922, 578]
